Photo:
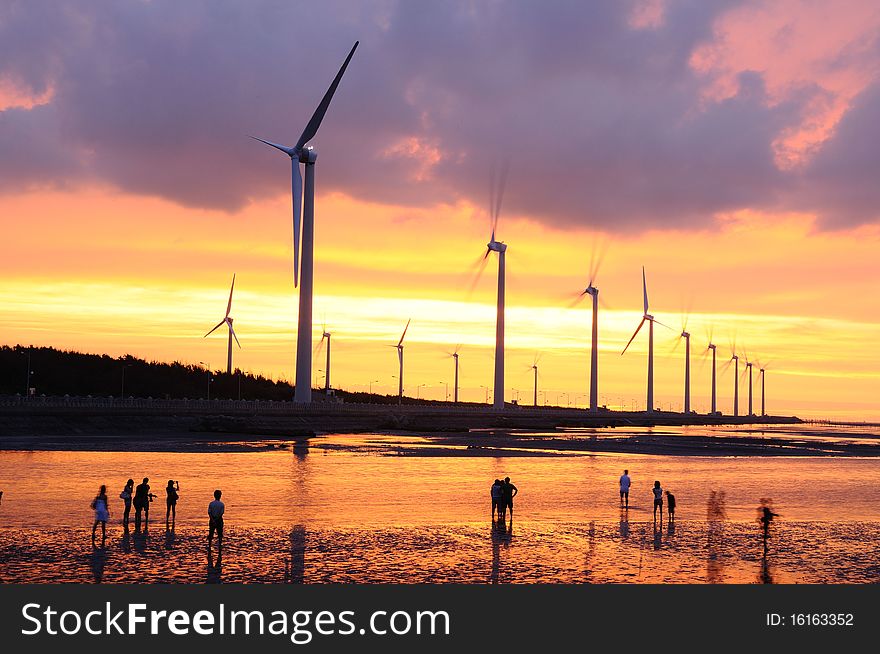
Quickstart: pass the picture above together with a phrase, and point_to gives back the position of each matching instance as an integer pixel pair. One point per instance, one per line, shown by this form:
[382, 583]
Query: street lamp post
[207, 370]
[373, 381]
[418, 391]
[487, 392]
[447, 389]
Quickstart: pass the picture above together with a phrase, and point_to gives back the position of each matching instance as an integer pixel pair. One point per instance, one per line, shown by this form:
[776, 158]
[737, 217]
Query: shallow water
[329, 515]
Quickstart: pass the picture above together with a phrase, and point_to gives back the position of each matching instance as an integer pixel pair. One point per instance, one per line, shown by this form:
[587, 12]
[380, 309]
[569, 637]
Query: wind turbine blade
[403, 335]
[290, 152]
[597, 256]
[633, 336]
[577, 299]
[645, 289]
[296, 190]
[229, 304]
[219, 324]
[662, 325]
[234, 336]
[677, 343]
[481, 266]
[312, 128]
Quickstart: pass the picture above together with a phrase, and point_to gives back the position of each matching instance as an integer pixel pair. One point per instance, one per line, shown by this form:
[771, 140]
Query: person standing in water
[215, 519]
[172, 494]
[141, 502]
[496, 493]
[508, 492]
[658, 500]
[102, 514]
[670, 506]
[126, 496]
[624, 488]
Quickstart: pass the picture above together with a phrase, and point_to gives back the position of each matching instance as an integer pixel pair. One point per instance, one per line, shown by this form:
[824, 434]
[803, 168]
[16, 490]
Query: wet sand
[597, 552]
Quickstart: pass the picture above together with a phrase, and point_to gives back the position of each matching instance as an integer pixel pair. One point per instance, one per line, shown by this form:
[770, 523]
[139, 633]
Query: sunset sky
[732, 148]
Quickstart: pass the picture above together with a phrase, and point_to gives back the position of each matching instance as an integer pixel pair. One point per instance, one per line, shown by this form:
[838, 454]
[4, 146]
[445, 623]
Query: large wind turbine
[496, 196]
[399, 347]
[228, 322]
[763, 410]
[535, 369]
[651, 320]
[300, 154]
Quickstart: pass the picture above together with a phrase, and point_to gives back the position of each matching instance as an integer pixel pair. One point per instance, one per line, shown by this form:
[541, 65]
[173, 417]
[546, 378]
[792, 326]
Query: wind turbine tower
[300, 154]
[228, 322]
[647, 317]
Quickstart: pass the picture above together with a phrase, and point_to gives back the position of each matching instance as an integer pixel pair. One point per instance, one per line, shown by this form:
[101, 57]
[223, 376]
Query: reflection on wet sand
[502, 533]
[624, 523]
[295, 568]
[716, 514]
[215, 565]
[98, 561]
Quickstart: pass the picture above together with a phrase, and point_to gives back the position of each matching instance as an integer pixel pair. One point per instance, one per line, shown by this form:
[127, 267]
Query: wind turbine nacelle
[308, 155]
[497, 246]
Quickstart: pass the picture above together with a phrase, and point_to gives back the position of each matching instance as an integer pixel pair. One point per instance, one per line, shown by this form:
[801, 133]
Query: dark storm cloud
[603, 123]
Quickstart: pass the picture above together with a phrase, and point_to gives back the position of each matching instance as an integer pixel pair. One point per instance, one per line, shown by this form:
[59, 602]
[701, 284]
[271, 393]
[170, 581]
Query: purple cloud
[604, 123]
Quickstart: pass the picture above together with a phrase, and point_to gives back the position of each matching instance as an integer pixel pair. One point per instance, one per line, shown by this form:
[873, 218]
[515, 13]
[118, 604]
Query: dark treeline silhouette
[59, 372]
[63, 372]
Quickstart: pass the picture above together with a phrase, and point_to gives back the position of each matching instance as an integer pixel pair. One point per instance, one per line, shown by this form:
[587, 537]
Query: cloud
[601, 110]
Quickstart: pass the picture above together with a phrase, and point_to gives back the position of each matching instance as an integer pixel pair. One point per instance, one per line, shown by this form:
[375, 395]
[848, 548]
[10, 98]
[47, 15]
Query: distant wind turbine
[687, 363]
[325, 335]
[496, 196]
[712, 347]
[300, 154]
[593, 292]
[399, 347]
[535, 368]
[228, 322]
[454, 355]
[735, 360]
[749, 369]
[651, 320]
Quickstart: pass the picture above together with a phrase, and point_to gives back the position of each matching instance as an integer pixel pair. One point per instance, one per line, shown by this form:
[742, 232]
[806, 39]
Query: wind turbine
[735, 359]
[687, 363]
[300, 154]
[535, 368]
[454, 355]
[749, 368]
[651, 320]
[325, 335]
[593, 292]
[712, 347]
[399, 347]
[763, 369]
[496, 196]
[228, 322]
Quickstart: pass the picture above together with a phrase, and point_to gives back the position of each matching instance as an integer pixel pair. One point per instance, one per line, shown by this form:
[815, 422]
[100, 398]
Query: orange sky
[94, 266]
[124, 274]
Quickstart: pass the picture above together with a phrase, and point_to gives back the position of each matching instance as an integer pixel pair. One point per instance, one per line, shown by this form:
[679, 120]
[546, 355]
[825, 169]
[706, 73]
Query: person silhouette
[658, 500]
[102, 514]
[508, 492]
[126, 496]
[172, 494]
[624, 488]
[216, 509]
[670, 506]
[496, 493]
[141, 502]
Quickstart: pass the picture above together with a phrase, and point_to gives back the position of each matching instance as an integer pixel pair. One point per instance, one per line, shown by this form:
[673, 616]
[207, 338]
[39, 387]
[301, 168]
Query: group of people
[657, 491]
[502, 493]
[140, 498]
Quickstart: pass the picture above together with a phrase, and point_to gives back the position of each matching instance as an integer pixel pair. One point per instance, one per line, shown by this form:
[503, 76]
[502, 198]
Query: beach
[386, 508]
